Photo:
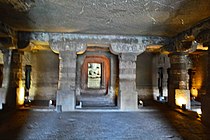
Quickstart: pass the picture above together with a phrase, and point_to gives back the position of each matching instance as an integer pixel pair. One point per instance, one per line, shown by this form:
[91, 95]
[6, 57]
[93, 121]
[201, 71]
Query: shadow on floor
[156, 121]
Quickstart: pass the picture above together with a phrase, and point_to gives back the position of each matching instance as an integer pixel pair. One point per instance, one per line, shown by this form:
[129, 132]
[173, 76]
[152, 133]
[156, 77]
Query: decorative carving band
[58, 46]
[118, 48]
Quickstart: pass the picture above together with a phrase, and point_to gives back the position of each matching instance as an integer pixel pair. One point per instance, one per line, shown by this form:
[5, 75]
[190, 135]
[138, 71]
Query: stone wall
[44, 74]
[199, 78]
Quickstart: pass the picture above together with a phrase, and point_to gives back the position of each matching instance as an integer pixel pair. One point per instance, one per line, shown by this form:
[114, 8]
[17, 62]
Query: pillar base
[128, 101]
[65, 100]
[205, 105]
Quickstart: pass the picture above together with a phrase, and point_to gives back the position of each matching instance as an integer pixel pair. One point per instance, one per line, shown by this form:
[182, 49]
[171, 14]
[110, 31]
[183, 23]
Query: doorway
[95, 75]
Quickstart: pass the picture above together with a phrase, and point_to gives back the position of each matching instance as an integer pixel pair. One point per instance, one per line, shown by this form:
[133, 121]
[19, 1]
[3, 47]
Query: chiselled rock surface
[137, 17]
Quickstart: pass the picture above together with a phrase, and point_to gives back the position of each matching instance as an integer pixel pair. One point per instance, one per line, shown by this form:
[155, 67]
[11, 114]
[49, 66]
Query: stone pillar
[128, 99]
[66, 98]
[178, 75]
[127, 53]
[67, 79]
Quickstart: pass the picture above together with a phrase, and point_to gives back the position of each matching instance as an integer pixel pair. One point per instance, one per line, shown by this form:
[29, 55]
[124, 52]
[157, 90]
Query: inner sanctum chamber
[97, 78]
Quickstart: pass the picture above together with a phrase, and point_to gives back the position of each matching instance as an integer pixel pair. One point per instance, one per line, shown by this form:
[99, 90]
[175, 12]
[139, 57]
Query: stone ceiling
[112, 17]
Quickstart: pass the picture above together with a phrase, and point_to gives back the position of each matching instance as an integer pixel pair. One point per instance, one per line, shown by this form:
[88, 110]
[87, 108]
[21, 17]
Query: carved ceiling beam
[61, 41]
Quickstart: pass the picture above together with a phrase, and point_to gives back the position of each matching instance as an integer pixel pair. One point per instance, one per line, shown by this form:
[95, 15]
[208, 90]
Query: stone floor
[150, 123]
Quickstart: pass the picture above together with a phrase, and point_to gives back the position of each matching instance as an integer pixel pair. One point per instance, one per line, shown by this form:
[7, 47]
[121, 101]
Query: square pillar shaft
[67, 80]
[128, 99]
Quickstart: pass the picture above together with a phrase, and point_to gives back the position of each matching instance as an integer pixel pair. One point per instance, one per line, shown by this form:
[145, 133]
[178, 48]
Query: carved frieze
[118, 48]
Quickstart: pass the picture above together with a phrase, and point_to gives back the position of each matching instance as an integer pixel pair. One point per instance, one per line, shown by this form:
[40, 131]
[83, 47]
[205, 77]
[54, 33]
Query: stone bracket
[65, 45]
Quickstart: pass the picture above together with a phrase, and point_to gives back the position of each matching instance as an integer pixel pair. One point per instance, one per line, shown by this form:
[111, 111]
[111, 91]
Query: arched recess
[105, 74]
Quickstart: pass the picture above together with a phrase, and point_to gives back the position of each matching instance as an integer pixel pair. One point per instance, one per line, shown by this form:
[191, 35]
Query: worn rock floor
[153, 123]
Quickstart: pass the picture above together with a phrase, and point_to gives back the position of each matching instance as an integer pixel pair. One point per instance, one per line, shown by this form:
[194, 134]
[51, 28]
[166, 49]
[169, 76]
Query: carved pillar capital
[66, 45]
[181, 47]
[118, 48]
